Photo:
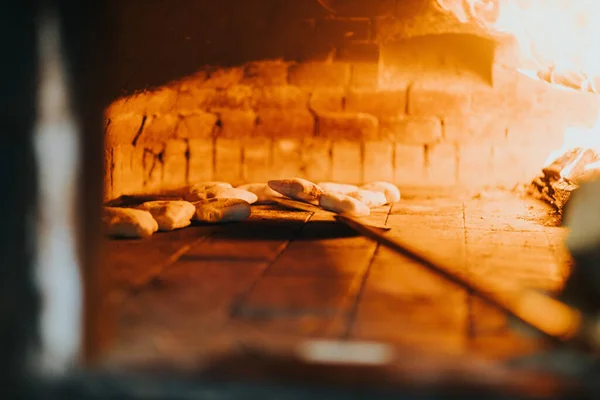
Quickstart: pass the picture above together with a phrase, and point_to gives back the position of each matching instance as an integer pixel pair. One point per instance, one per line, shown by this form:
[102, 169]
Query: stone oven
[421, 94]
[353, 91]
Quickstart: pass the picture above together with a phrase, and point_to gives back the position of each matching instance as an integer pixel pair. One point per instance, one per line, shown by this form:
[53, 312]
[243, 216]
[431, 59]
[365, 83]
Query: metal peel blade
[298, 205]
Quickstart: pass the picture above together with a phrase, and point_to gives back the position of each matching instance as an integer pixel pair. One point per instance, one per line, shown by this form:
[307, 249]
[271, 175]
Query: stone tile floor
[287, 275]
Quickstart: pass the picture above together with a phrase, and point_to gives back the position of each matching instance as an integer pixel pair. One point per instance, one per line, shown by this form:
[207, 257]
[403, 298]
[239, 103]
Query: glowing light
[558, 35]
[552, 32]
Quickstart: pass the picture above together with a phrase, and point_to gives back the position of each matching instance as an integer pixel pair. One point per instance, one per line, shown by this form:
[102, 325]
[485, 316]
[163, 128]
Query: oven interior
[425, 95]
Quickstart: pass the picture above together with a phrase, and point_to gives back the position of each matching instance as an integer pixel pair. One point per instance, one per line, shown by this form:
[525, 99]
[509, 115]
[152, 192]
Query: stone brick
[394, 274]
[358, 51]
[238, 96]
[441, 164]
[299, 296]
[430, 303]
[287, 158]
[125, 105]
[237, 124]
[384, 27]
[285, 123]
[475, 164]
[125, 178]
[439, 97]
[123, 129]
[230, 249]
[437, 325]
[228, 160]
[332, 258]
[581, 109]
[507, 53]
[381, 103]
[152, 166]
[550, 103]
[195, 98]
[526, 98]
[201, 160]
[281, 97]
[338, 30]
[347, 160]
[561, 105]
[484, 128]
[394, 79]
[161, 101]
[378, 164]
[198, 125]
[507, 166]
[534, 130]
[140, 165]
[315, 74]
[158, 129]
[504, 78]
[222, 78]
[522, 162]
[411, 129]
[329, 99]
[365, 76]
[409, 165]
[265, 73]
[316, 159]
[175, 164]
[257, 160]
[499, 97]
[347, 126]
[558, 103]
[196, 79]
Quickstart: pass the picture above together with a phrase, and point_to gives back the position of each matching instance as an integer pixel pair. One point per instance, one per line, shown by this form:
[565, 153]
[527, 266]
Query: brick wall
[341, 115]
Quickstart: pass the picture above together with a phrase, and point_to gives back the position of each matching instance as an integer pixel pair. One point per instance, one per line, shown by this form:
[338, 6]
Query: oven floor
[287, 275]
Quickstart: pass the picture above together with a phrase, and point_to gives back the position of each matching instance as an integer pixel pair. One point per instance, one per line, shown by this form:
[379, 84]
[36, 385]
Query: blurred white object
[57, 265]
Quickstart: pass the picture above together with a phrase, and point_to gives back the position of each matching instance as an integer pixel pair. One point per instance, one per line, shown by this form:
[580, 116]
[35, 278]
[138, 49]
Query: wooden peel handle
[542, 312]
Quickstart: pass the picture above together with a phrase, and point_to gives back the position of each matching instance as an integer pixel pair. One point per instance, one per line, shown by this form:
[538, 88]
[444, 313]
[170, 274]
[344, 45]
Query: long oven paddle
[542, 312]
[298, 205]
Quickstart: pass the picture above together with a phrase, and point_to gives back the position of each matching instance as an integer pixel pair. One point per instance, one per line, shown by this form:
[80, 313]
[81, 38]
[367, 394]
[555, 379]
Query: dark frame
[87, 45]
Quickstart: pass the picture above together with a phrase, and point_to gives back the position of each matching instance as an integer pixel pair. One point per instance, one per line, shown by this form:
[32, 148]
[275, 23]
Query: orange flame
[556, 34]
[560, 33]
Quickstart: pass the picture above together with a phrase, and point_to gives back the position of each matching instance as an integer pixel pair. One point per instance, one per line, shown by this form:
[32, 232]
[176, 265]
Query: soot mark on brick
[149, 166]
[108, 121]
[139, 132]
[316, 130]
[187, 155]
[218, 126]
[214, 156]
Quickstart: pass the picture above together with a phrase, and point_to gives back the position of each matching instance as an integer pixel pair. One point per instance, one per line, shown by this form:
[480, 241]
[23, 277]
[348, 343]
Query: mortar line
[236, 306]
[470, 326]
[157, 271]
[130, 292]
[351, 315]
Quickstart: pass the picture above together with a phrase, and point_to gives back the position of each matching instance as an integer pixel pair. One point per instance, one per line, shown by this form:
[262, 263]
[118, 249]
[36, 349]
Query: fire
[560, 37]
[578, 138]
[552, 33]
